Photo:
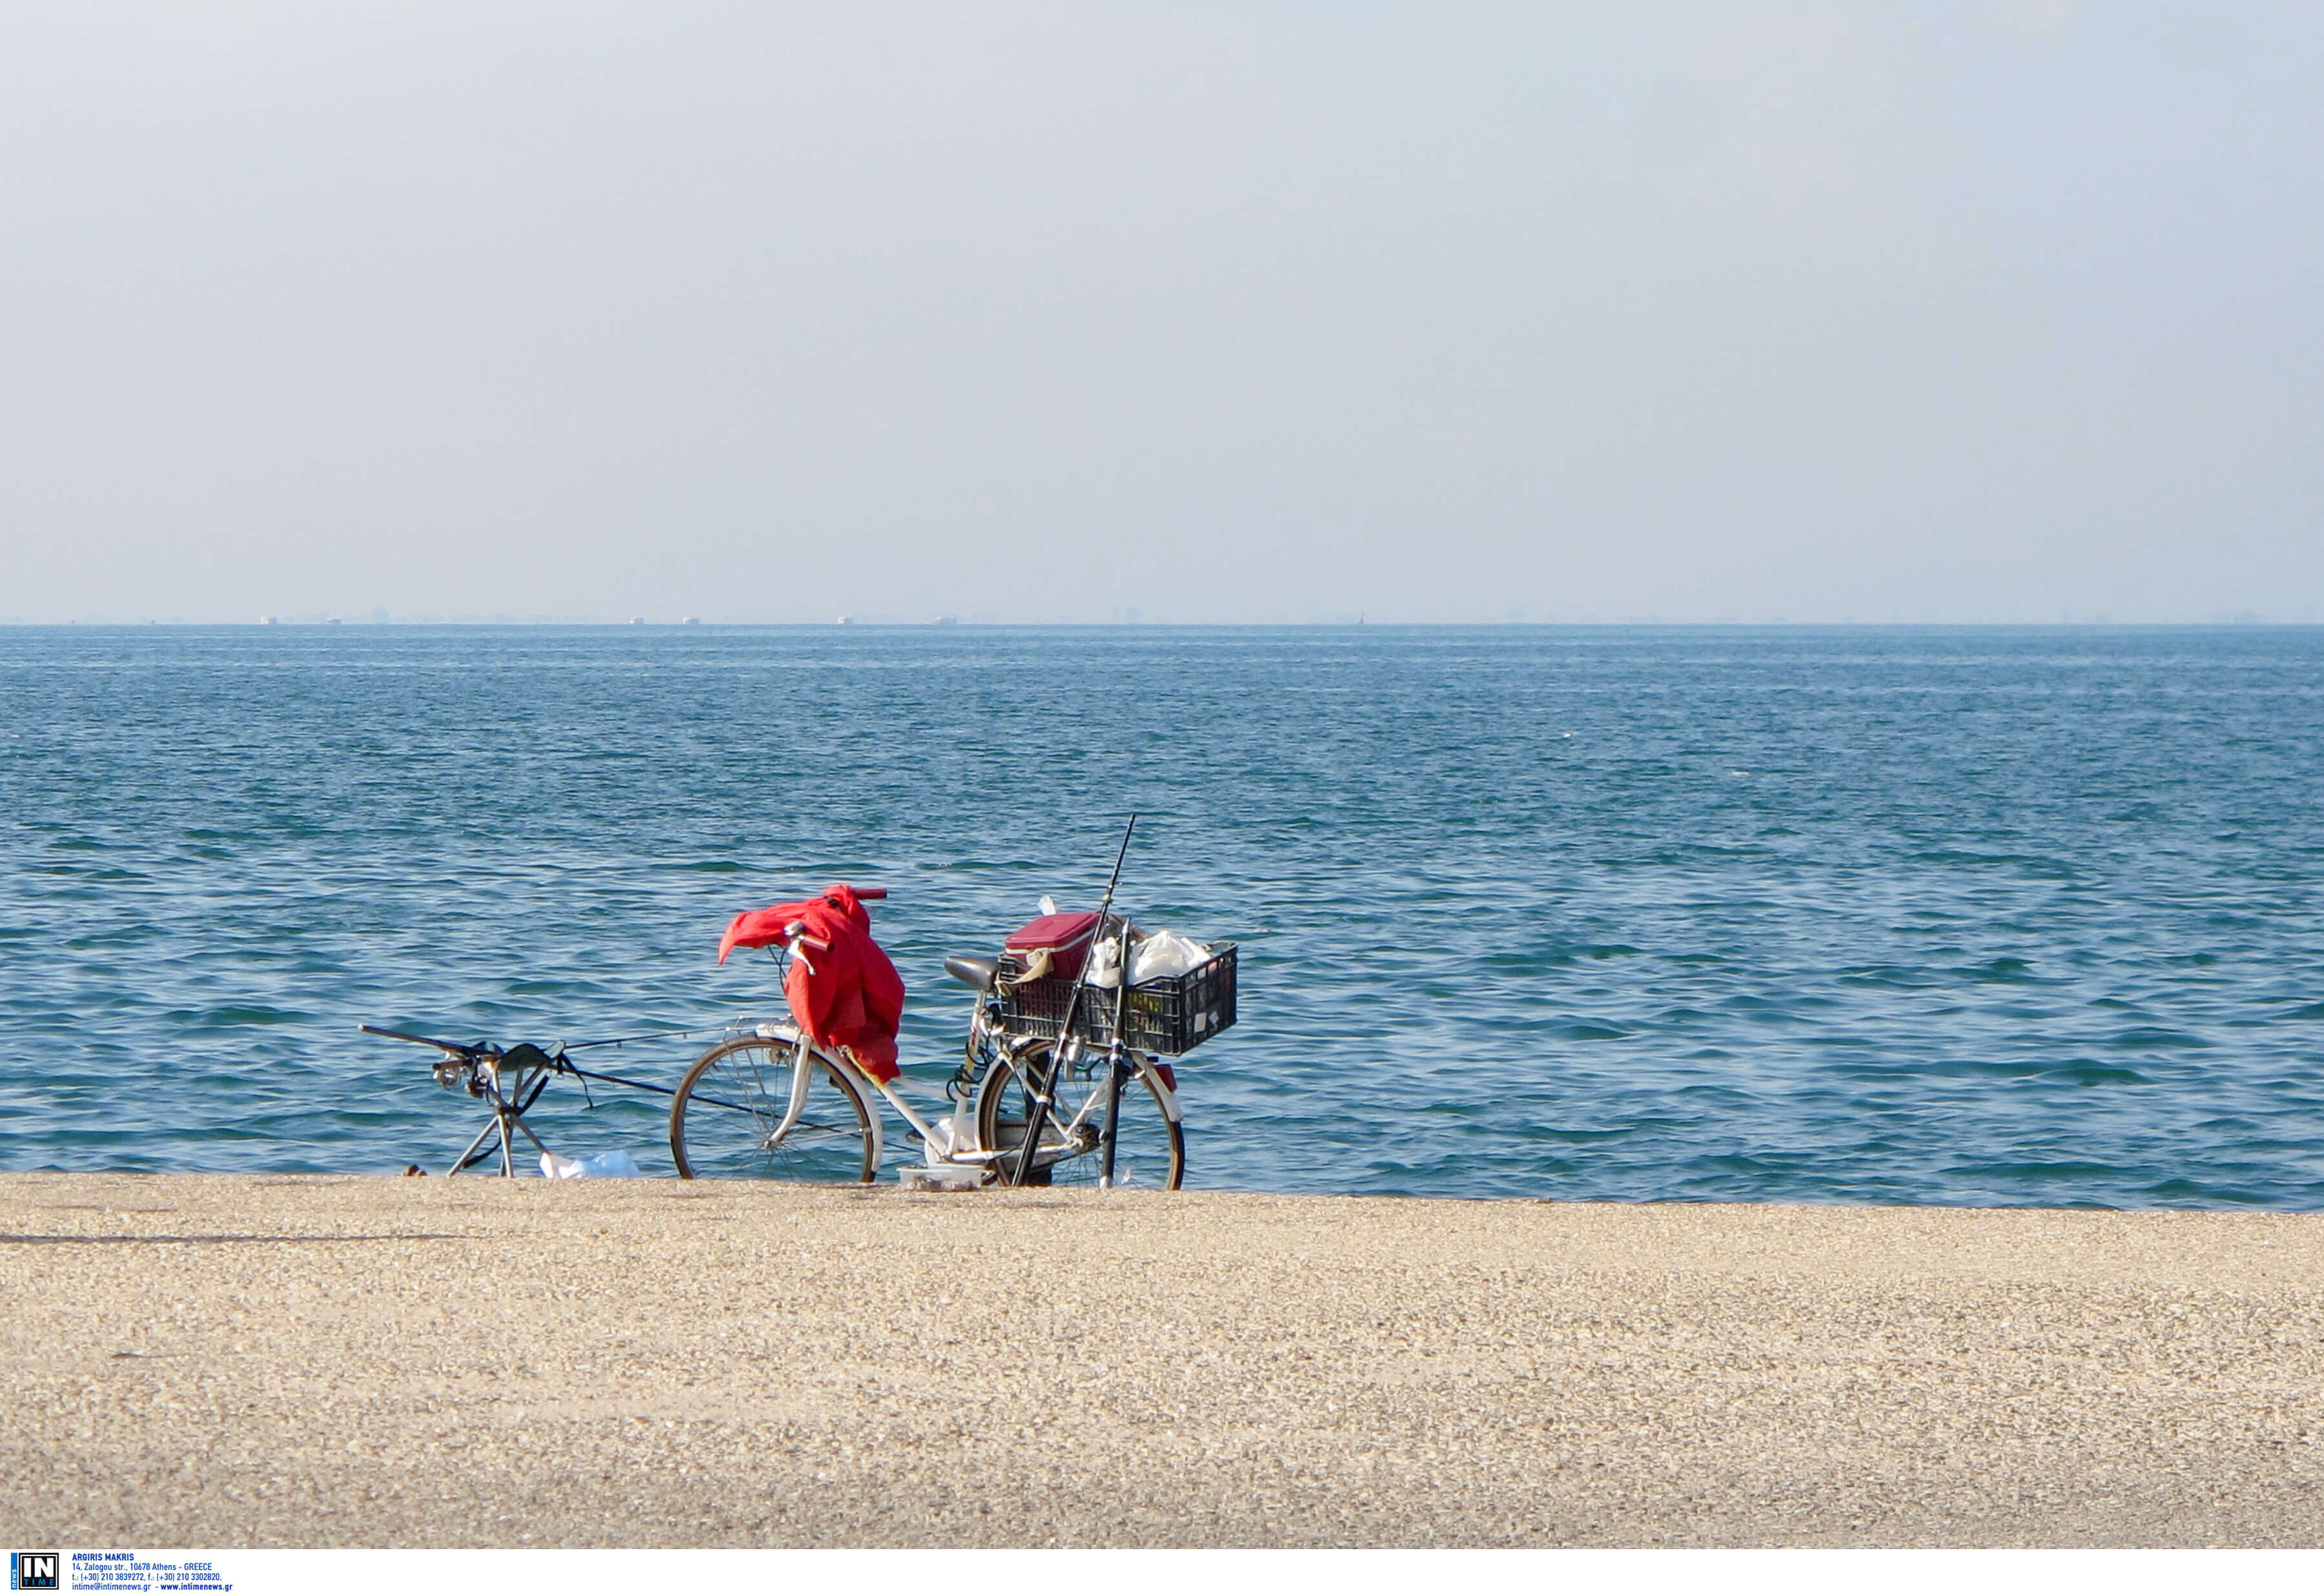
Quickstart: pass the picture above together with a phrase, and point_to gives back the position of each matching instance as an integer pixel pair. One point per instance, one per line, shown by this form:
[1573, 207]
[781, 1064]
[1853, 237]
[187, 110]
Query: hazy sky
[1214, 312]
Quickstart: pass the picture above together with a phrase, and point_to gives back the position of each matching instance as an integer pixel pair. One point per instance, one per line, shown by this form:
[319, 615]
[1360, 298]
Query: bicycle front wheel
[726, 1121]
[1149, 1148]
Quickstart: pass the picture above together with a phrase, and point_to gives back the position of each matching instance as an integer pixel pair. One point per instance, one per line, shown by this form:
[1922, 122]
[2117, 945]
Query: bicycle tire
[1150, 1147]
[734, 1099]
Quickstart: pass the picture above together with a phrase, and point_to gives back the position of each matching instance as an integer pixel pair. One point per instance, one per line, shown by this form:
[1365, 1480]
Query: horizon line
[2237, 621]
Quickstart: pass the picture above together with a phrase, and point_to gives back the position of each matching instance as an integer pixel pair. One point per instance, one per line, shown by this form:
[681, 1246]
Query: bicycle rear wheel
[1150, 1147]
[726, 1122]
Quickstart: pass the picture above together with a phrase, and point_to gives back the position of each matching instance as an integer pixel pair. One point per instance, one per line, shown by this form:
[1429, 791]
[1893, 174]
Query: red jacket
[848, 995]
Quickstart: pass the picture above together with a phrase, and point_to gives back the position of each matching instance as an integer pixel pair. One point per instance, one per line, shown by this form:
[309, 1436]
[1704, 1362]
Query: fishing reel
[457, 1071]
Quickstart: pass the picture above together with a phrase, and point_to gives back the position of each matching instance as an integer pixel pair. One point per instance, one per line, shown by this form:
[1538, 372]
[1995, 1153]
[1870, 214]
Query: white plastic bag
[1155, 957]
[1164, 953]
[616, 1165]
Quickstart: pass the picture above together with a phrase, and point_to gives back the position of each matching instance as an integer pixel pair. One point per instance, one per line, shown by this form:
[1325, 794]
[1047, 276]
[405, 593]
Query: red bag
[1064, 937]
[844, 994]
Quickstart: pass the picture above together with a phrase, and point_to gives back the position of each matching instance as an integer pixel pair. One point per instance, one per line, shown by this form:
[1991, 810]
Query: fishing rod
[487, 1047]
[454, 1048]
[1114, 1056]
[621, 1040]
[1038, 1119]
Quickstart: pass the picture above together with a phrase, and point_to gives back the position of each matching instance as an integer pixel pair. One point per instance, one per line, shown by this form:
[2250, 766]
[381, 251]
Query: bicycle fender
[1162, 1089]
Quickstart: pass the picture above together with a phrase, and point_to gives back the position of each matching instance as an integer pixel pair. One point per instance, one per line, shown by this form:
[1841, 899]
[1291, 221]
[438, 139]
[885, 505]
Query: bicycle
[772, 1103]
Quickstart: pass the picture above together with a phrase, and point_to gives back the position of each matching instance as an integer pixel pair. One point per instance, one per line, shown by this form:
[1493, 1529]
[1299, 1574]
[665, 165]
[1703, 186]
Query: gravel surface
[267, 1360]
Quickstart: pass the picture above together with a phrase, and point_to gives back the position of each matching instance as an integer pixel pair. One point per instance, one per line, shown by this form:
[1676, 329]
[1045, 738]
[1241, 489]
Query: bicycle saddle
[971, 972]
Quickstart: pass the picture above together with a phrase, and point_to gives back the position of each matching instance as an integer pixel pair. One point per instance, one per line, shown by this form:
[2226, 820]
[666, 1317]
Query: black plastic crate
[1171, 1017]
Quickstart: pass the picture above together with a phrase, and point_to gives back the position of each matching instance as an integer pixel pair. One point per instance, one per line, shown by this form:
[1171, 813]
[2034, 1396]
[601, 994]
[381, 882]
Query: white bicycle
[770, 1103]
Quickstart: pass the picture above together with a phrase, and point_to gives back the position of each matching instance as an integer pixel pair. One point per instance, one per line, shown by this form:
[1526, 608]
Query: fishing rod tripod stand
[509, 1081]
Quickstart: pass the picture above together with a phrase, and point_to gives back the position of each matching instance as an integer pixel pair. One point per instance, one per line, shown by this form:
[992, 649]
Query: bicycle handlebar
[795, 933]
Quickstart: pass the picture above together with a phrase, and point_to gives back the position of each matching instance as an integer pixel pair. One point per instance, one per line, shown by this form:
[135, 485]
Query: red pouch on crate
[1064, 938]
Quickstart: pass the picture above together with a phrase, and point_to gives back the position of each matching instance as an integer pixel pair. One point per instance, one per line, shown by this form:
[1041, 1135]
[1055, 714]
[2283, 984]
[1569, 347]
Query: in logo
[32, 1570]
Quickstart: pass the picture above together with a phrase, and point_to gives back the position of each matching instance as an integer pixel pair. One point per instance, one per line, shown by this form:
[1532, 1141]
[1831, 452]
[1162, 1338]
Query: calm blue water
[1931, 916]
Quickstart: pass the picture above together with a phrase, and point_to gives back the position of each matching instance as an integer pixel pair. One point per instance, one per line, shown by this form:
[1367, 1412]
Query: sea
[2010, 917]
